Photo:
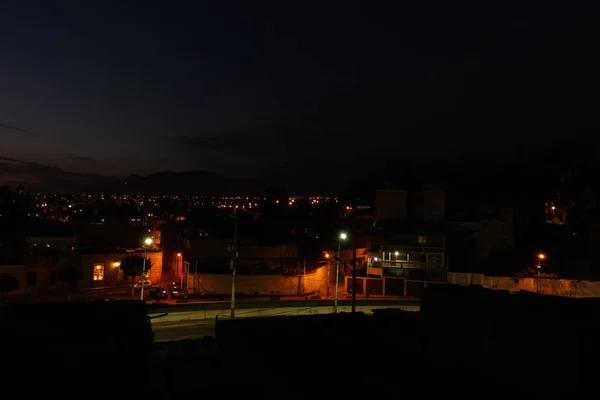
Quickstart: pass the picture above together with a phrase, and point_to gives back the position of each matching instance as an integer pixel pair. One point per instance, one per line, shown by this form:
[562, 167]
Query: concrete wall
[264, 284]
[554, 287]
[218, 248]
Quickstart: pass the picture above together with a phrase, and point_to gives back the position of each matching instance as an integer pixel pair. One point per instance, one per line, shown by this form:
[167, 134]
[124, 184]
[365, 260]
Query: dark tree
[70, 275]
[14, 207]
[132, 266]
[8, 283]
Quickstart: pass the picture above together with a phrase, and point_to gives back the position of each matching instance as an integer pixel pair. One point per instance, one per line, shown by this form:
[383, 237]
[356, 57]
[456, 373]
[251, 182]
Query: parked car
[138, 286]
[157, 292]
[176, 290]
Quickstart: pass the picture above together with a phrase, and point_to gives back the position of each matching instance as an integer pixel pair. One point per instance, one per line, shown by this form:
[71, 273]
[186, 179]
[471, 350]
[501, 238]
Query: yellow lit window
[98, 272]
[422, 239]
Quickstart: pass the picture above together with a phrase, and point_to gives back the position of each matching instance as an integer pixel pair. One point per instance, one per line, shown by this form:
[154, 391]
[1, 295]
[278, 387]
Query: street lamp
[343, 236]
[328, 268]
[147, 242]
[540, 256]
[177, 262]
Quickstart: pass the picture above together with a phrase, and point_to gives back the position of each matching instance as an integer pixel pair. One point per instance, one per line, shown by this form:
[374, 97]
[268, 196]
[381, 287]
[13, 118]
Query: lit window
[422, 239]
[98, 272]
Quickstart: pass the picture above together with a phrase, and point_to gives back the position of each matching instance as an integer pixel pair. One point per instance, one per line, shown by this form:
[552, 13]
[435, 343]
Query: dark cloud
[246, 144]
[81, 158]
[19, 130]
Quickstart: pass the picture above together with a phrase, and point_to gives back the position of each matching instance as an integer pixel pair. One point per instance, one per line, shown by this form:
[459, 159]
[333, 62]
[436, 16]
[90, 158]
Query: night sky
[250, 89]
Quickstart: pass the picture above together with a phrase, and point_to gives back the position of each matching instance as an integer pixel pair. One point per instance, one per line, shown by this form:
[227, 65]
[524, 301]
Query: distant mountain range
[191, 183]
[317, 177]
[47, 179]
[44, 178]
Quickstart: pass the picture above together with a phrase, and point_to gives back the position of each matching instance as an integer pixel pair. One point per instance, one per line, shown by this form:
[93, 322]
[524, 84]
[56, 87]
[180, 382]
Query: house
[101, 267]
[416, 257]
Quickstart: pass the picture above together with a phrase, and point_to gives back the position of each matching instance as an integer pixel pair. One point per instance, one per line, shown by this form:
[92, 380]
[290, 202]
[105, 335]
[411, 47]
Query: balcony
[431, 259]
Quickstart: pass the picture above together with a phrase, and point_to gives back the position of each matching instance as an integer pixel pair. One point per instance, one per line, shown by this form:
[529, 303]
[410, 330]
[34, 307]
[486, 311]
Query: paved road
[240, 305]
[184, 331]
[198, 321]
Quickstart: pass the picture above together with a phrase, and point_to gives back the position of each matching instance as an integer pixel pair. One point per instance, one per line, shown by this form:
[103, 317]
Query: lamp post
[343, 236]
[233, 262]
[147, 242]
[177, 262]
[328, 268]
[540, 256]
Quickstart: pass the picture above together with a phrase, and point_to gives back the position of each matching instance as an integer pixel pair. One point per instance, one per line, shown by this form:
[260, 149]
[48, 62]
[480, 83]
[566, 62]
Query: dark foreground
[465, 342]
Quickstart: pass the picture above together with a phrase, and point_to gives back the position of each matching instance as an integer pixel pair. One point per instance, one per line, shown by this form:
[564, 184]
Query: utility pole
[354, 272]
[342, 236]
[186, 266]
[304, 277]
[328, 272]
[233, 263]
[143, 276]
[147, 242]
[196, 286]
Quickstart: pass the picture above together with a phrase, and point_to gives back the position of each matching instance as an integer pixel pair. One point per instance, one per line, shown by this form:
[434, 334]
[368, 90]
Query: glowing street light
[147, 242]
[343, 236]
[328, 268]
[540, 256]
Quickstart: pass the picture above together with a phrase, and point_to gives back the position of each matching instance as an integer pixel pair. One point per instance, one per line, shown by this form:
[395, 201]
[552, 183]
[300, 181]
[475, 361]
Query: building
[211, 251]
[101, 268]
[425, 204]
[434, 204]
[489, 231]
[45, 256]
[390, 204]
[415, 257]
[61, 243]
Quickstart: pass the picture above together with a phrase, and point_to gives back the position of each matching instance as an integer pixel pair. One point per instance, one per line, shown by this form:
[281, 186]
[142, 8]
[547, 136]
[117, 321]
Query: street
[251, 304]
[184, 331]
[195, 321]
